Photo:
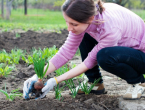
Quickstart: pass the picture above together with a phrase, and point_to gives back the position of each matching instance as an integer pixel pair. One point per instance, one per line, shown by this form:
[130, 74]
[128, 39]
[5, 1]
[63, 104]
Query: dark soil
[29, 40]
[81, 102]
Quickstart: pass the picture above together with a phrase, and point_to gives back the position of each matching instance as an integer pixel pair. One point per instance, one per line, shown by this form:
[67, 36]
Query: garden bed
[115, 87]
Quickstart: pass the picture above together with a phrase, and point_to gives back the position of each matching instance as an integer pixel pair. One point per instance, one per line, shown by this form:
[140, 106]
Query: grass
[36, 19]
[140, 13]
[37, 16]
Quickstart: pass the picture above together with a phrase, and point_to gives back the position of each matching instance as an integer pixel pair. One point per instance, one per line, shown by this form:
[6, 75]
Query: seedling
[39, 64]
[12, 95]
[18, 35]
[15, 55]
[28, 60]
[58, 92]
[5, 58]
[72, 88]
[68, 82]
[86, 88]
[5, 70]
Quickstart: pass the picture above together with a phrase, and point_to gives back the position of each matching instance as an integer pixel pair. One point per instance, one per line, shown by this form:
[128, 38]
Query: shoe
[98, 89]
[134, 91]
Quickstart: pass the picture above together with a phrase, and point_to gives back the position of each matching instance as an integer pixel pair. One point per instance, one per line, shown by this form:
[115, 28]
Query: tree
[8, 8]
[119, 2]
[15, 4]
[25, 7]
[136, 4]
[143, 3]
[2, 8]
[59, 2]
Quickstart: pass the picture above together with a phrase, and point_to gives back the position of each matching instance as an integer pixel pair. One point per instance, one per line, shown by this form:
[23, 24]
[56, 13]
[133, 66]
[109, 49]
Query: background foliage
[55, 4]
[45, 15]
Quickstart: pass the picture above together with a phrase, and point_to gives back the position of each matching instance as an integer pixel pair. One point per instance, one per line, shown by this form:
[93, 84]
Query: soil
[114, 86]
[31, 39]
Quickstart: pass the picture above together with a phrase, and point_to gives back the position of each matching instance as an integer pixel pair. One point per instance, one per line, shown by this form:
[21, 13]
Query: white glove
[29, 86]
[48, 86]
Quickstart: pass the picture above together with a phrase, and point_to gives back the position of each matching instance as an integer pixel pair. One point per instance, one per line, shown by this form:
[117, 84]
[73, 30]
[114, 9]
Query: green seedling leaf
[6, 70]
[84, 86]
[13, 94]
[39, 64]
[72, 88]
[18, 35]
[58, 92]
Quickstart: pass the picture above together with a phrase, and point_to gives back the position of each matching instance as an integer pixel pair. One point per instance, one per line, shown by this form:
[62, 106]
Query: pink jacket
[121, 28]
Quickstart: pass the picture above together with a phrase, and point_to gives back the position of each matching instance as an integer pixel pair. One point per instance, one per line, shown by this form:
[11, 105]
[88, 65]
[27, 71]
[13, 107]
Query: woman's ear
[91, 19]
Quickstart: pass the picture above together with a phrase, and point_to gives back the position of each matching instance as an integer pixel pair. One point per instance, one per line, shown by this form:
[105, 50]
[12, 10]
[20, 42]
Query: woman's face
[75, 26]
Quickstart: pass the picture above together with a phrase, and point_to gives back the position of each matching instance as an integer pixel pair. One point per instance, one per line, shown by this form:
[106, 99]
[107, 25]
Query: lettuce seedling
[5, 58]
[5, 70]
[15, 55]
[28, 60]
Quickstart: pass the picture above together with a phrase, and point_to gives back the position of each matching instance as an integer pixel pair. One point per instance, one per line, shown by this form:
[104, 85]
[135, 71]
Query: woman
[108, 35]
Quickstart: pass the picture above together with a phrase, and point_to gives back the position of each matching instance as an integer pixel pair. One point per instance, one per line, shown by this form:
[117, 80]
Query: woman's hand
[29, 86]
[49, 85]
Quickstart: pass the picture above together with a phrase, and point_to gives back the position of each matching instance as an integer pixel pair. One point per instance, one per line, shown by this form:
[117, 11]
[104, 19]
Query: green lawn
[36, 19]
[39, 20]
[37, 16]
[141, 13]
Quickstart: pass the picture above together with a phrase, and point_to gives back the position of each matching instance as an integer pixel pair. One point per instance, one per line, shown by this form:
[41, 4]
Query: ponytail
[101, 8]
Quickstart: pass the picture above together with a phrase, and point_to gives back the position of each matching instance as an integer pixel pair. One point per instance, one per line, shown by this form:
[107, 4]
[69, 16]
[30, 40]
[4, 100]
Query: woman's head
[81, 12]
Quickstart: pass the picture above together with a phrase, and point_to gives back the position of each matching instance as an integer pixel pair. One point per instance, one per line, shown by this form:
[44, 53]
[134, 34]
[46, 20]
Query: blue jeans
[124, 62]
[85, 47]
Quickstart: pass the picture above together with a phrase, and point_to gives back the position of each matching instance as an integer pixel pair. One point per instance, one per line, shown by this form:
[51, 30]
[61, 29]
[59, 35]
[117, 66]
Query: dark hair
[101, 8]
[81, 10]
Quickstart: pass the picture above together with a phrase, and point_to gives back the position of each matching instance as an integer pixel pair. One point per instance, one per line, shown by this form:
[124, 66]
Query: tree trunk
[15, 5]
[8, 8]
[2, 8]
[25, 7]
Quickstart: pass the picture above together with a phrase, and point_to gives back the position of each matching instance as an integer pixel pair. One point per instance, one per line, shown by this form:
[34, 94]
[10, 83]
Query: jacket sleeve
[68, 50]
